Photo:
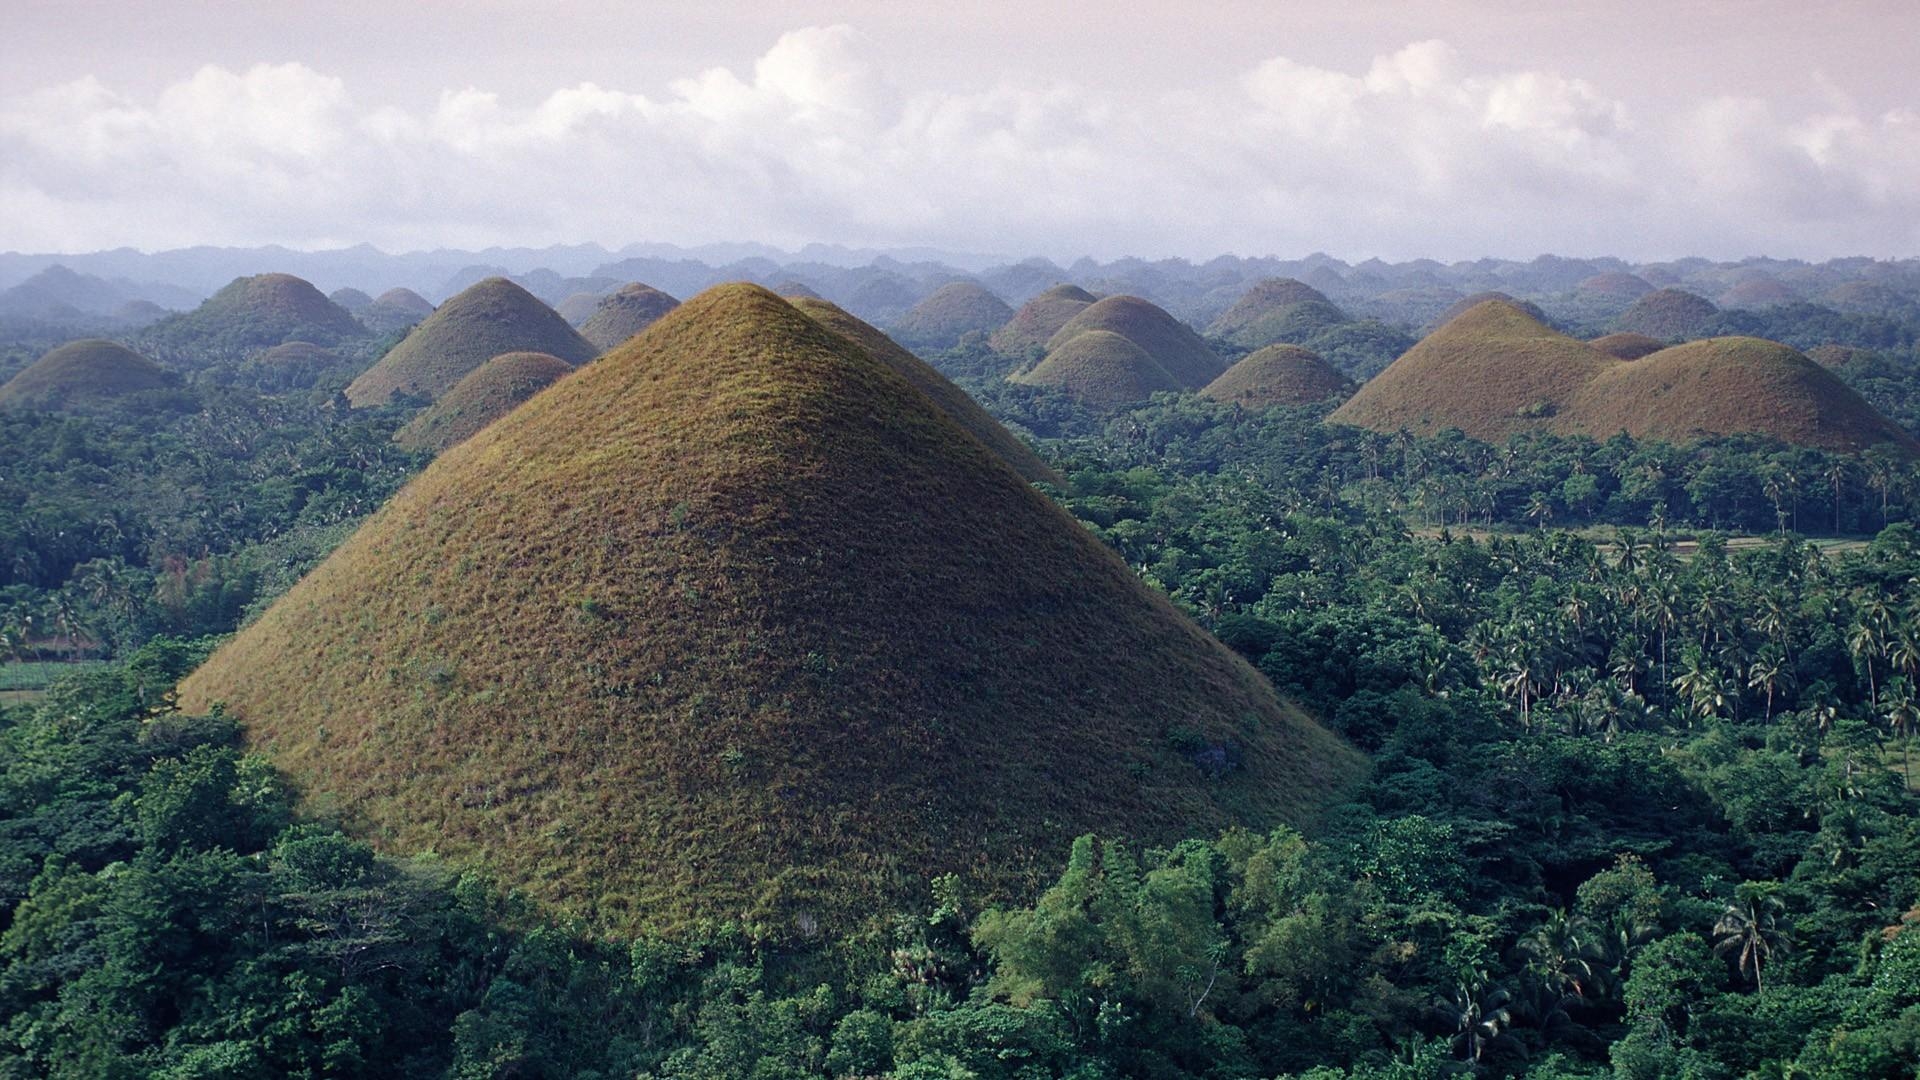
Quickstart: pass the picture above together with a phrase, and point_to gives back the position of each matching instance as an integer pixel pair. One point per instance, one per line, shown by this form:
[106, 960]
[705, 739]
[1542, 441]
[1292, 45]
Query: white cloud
[1417, 154]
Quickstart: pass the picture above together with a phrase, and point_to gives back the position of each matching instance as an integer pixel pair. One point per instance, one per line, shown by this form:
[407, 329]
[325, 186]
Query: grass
[1628, 346]
[1173, 345]
[624, 313]
[33, 676]
[494, 389]
[951, 312]
[737, 623]
[1039, 319]
[1278, 375]
[1276, 310]
[1101, 370]
[83, 372]
[1468, 303]
[488, 319]
[1666, 314]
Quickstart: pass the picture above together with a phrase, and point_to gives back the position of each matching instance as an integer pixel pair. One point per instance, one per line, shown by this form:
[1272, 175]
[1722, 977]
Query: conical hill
[1491, 371]
[1276, 310]
[1101, 370]
[394, 310]
[492, 317]
[1173, 345]
[83, 373]
[490, 392]
[1666, 314]
[941, 390]
[1039, 319]
[1278, 375]
[259, 312]
[736, 623]
[624, 313]
[950, 313]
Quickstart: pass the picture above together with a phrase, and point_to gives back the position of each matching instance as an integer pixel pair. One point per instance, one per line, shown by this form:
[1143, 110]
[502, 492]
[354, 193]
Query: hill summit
[488, 393]
[1666, 314]
[1278, 375]
[81, 374]
[259, 312]
[1039, 319]
[1276, 310]
[625, 312]
[490, 318]
[1172, 344]
[735, 623]
[950, 313]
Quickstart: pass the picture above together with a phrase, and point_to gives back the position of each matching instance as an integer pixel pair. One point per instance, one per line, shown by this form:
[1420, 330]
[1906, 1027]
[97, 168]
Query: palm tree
[1540, 509]
[1768, 674]
[1563, 953]
[1902, 713]
[1700, 685]
[1749, 930]
[1478, 1011]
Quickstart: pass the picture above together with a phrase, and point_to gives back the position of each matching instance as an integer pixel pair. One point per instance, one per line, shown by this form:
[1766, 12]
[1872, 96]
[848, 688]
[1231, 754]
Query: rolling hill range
[490, 318]
[1495, 372]
[735, 623]
[1039, 319]
[488, 393]
[950, 313]
[625, 312]
[83, 374]
[1278, 375]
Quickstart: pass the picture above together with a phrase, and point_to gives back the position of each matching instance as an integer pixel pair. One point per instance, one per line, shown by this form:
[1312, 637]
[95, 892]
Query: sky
[1447, 129]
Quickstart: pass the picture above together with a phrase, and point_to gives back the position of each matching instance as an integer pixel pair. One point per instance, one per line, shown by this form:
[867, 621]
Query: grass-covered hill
[1729, 386]
[625, 312]
[1667, 314]
[491, 391]
[737, 623]
[1616, 286]
[1468, 303]
[1276, 310]
[1039, 319]
[1278, 375]
[1171, 343]
[1492, 371]
[254, 313]
[1628, 346]
[1101, 370]
[395, 310]
[950, 313]
[351, 300]
[1758, 292]
[492, 317]
[578, 307]
[942, 391]
[82, 374]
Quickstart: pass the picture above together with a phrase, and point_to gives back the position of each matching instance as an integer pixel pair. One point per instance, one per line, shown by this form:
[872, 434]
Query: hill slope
[951, 312]
[939, 389]
[83, 373]
[1491, 372]
[1627, 346]
[1173, 345]
[1278, 375]
[1039, 319]
[736, 623]
[624, 313]
[488, 319]
[490, 392]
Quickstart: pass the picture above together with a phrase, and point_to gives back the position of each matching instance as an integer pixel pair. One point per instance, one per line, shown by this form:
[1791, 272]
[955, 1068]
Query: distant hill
[1667, 314]
[1039, 319]
[351, 300]
[1276, 310]
[395, 310]
[492, 317]
[578, 308]
[625, 312]
[1492, 371]
[81, 375]
[736, 624]
[950, 313]
[1468, 303]
[1172, 344]
[254, 313]
[488, 393]
[1101, 370]
[1758, 293]
[1616, 285]
[1278, 375]
[1627, 346]
[296, 365]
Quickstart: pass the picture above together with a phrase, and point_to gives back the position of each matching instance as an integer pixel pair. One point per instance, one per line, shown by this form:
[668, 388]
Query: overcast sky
[1400, 128]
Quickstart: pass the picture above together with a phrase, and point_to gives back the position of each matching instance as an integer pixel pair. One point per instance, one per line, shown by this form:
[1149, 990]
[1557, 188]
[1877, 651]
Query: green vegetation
[1278, 375]
[493, 390]
[624, 313]
[84, 375]
[950, 313]
[491, 318]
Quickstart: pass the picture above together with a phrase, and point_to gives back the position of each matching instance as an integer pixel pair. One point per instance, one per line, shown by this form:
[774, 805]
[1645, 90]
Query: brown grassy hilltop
[1101, 370]
[490, 392]
[83, 373]
[736, 623]
[394, 310]
[1666, 314]
[351, 300]
[1276, 310]
[492, 317]
[1617, 285]
[1278, 375]
[1728, 386]
[1758, 292]
[1039, 319]
[1173, 345]
[625, 312]
[259, 312]
[1492, 371]
[1468, 303]
[939, 389]
[950, 313]
[1627, 346]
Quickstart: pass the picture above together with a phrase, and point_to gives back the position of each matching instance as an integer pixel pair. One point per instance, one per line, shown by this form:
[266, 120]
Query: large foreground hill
[736, 622]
